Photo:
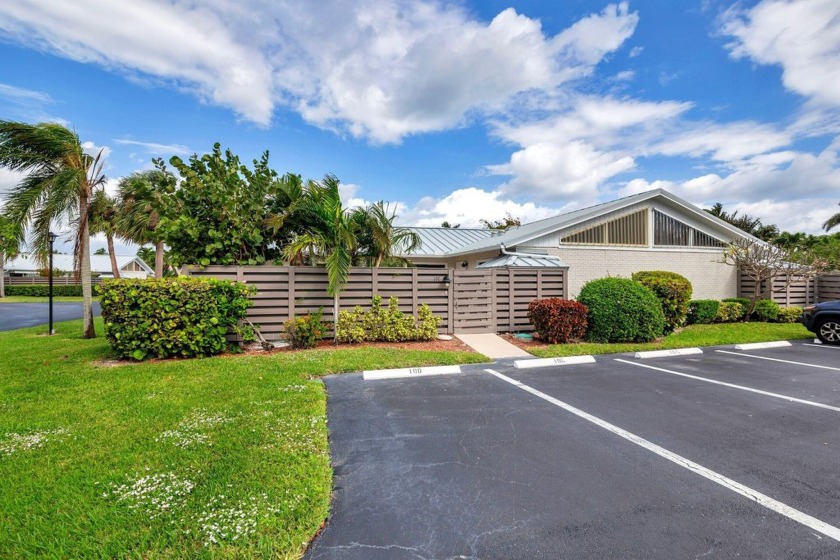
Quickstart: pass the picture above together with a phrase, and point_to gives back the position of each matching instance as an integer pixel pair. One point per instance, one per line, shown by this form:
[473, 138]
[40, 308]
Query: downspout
[518, 254]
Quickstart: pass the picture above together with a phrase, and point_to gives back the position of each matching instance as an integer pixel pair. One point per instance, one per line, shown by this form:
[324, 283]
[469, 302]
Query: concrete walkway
[493, 346]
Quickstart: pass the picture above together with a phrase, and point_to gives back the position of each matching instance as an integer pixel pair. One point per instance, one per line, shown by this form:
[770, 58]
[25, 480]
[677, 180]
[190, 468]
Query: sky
[456, 111]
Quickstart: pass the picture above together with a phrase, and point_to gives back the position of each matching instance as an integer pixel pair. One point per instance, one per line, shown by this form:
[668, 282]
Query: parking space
[601, 460]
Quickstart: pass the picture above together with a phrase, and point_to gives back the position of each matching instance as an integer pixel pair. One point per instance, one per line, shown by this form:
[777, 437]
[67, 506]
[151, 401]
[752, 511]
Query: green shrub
[558, 320]
[673, 291]
[168, 317]
[766, 310]
[743, 302]
[307, 330]
[43, 290]
[386, 324]
[729, 312]
[621, 310]
[789, 315]
[702, 311]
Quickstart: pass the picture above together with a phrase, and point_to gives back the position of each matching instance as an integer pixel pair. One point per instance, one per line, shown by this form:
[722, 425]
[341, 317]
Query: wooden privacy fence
[800, 292]
[494, 300]
[42, 281]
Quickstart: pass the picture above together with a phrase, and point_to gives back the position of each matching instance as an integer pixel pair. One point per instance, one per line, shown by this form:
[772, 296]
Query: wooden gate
[472, 293]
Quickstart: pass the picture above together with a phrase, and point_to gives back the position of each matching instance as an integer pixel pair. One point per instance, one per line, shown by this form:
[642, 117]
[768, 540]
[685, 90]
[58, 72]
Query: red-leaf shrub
[558, 320]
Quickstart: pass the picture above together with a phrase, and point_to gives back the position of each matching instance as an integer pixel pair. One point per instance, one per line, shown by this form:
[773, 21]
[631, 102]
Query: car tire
[828, 331]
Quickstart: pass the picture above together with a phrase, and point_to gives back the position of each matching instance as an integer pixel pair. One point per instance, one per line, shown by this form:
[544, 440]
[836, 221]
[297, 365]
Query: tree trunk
[2, 275]
[335, 319]
[114, 268]
[84, 266]
[159, 259]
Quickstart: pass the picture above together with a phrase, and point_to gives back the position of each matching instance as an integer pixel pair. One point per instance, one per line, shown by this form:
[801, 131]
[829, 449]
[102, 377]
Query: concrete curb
[667, 353]
[546, 362]
[760, 345]
[373, 375]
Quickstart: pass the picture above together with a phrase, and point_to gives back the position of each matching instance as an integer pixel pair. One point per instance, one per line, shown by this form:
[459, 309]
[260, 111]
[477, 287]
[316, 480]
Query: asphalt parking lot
[21, 315]
[718, 455]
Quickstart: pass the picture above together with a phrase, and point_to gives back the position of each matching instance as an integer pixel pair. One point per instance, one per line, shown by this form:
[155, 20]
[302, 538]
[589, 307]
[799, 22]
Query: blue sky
[455, 111]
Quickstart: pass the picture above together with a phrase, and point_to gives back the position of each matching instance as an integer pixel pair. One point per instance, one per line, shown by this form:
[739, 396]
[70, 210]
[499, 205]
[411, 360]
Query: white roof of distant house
[99, 264]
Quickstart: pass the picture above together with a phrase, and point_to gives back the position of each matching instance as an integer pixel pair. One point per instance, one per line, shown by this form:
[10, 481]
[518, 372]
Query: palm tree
[388, 241]
[143, 195]
[329, 234]
[105, 218]
[832, 222]
[58, 186]
[9, 244]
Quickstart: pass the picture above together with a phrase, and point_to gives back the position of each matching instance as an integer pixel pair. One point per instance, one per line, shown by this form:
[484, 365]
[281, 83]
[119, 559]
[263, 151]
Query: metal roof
[444, 241]
[515, 236]
[99, 264]
[523, 261]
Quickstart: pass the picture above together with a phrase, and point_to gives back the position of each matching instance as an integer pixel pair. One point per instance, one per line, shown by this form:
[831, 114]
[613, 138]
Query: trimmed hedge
[39, 290]
[789, 315]
[743, 302]
[386, 324]
[167, 317]
[558, 320]
[729, 312]
[621, 310]
[702, 311]
[673, 291]
[766, 310]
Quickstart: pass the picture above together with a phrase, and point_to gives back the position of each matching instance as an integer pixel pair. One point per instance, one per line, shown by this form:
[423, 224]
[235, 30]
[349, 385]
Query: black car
[823, 319]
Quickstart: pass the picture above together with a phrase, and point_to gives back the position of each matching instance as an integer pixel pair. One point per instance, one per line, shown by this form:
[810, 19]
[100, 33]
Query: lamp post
[52, 237]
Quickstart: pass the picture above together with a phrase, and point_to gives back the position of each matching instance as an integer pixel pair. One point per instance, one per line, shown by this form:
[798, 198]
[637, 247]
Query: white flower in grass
[13, 442]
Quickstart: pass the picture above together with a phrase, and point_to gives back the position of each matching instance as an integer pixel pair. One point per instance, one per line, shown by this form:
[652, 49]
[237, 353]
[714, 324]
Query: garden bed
[690, 336]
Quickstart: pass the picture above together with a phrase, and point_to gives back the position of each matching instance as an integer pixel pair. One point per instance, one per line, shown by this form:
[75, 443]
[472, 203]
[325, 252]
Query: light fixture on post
[52, 238]
[446, 280]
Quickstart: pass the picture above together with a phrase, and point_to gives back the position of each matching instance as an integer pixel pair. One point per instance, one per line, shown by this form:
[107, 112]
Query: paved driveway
[720, 455]
[20, 315]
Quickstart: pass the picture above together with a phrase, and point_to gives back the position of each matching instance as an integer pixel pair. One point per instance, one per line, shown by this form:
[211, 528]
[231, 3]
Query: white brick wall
[709, 279]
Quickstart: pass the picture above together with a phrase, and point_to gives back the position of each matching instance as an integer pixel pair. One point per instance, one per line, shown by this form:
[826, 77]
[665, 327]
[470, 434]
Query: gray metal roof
[444, 241]
[526, 232]
[523, 261]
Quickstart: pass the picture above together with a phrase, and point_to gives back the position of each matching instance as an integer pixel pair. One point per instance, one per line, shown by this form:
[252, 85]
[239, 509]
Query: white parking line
[745, 491]
[733, 386]
[777, 360]
[821, 345]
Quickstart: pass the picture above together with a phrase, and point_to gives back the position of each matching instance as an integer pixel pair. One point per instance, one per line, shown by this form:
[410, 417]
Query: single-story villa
[100, 266]
[654, 230]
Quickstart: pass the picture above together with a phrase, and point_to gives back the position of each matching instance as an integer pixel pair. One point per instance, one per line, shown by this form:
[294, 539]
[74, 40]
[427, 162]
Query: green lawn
[32, 299]
[693, 335]
[221, 457]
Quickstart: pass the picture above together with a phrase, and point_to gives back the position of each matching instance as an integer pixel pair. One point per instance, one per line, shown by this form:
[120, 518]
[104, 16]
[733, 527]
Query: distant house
[654, 230]
[100, 266]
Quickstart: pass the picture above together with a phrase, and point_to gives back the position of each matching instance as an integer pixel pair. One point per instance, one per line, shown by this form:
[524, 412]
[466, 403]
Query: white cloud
[8, 180]
[380, 69]
[802, 37]
[155, 148]
[726, 142]
[188, 44]
[468, 206]
[560, 171]
[92, 149]
[347, 192]
[26, 104]
[796, 191]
